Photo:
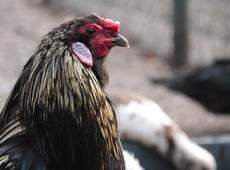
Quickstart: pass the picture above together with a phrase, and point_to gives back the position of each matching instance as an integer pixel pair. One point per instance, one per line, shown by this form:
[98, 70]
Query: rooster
[58, 116]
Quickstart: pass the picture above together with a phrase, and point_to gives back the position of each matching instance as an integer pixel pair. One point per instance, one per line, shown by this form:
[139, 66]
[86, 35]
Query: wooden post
[180, 33]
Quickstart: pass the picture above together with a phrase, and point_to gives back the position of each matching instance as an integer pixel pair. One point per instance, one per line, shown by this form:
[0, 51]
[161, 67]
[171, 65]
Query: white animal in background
[143, 121]
[131, 163]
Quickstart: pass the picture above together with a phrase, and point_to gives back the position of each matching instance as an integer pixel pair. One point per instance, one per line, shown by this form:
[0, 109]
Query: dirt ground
[22, 26]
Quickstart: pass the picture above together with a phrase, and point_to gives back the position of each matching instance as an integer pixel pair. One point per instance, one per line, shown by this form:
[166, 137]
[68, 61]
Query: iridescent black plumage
[58, 112]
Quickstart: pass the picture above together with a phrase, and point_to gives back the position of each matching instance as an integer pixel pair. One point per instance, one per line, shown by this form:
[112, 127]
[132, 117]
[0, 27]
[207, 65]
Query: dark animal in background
[208, 85]
[58, 116]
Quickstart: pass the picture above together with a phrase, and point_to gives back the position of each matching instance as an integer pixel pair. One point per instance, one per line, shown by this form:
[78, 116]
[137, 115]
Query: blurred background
[167, 38]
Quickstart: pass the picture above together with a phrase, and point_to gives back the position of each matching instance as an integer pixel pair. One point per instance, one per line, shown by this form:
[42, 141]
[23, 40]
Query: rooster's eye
[90, 31]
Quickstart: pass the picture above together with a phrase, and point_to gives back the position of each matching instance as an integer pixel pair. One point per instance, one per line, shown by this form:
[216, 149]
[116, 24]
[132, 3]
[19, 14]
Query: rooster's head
[94, 37]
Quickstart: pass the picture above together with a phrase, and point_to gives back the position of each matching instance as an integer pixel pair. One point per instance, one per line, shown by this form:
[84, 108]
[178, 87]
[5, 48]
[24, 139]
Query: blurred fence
[209, 27]
[149, 24]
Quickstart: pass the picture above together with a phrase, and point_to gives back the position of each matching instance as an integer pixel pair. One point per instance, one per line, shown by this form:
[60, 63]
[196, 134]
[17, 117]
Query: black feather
[19, 154]
[208, 85]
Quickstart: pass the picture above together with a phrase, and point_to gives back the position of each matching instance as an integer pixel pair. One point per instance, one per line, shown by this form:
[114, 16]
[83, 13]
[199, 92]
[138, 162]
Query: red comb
[110, 24]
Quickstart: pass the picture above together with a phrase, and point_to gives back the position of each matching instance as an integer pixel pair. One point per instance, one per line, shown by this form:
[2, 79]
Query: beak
[120, 41]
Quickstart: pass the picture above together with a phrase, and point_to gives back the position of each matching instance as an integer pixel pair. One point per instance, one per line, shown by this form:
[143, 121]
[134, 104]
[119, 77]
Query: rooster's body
[58, 116]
